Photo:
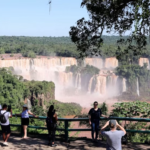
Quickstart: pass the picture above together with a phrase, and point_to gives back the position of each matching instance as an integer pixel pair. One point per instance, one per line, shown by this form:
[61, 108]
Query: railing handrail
[101, 118]
[66, 120]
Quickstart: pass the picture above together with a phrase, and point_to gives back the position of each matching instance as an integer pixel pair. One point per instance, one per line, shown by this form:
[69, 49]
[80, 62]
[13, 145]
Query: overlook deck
[17, 143]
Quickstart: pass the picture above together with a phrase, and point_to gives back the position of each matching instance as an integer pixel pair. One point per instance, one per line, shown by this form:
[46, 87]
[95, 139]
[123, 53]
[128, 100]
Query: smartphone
[9, 108]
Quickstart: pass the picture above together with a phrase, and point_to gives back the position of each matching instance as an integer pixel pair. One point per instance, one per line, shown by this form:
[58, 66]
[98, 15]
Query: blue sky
[32, 17]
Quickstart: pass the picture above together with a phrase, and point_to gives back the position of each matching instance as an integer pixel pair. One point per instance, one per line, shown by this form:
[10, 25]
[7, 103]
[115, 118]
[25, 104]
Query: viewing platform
[65, 142]
[39, 143]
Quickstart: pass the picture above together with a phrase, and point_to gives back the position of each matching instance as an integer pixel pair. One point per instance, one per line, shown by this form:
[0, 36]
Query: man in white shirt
[6, 126]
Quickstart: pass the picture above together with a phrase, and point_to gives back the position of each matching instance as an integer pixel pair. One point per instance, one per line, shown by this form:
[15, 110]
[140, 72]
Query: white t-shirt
[7, 115]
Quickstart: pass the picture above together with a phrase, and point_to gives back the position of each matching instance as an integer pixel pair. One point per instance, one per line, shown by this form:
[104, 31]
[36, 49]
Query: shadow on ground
[41, 143]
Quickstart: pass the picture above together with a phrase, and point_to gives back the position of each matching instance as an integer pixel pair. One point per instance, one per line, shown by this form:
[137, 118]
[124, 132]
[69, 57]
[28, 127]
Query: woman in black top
[94, 118]
[51, 124]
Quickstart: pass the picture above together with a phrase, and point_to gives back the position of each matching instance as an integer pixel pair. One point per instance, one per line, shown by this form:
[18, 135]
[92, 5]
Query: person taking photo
[5, 126]
[113, 136]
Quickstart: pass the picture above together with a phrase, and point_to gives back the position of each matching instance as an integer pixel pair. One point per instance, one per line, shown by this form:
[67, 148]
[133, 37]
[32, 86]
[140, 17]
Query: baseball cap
[112, 123]
[25, 106]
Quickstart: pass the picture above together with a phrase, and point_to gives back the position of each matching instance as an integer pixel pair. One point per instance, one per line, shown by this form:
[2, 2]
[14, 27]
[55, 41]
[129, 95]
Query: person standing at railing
[113, 136]
[94, 119]
[51, 121]
[5, 126]
[25, 119]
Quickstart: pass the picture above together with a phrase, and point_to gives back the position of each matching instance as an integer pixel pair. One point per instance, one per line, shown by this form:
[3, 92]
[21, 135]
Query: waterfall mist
[72, 87]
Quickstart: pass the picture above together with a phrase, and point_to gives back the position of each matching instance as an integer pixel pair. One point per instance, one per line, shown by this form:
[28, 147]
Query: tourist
[25, 119]
[94, 119]
[5, 126]
[113, 136]
[51, 125]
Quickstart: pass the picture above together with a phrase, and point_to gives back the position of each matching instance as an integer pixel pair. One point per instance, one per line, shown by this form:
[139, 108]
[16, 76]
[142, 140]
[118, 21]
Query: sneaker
[5, 143]
[53, 145]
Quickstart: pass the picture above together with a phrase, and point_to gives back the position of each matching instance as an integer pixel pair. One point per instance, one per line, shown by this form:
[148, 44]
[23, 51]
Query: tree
[119, 16]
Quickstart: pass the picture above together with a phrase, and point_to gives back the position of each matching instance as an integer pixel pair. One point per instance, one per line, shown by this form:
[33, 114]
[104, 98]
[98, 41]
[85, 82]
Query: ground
[17, 143]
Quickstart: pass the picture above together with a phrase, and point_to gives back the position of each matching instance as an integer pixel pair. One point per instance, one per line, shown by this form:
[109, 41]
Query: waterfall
[124, 85]
[79, 84]
[90, 85]
[138, 92]
[32, 65]
[78, 81]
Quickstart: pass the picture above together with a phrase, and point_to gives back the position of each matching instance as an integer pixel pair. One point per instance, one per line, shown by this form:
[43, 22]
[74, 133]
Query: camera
[9, 108]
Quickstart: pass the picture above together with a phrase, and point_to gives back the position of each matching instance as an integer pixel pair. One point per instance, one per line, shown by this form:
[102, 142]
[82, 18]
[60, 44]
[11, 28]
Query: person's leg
[8, 131]
[25, 131]
[49, 136]
[93, 129]
[7, 136]
[97, 129]
[3, 132]
[4, 137]
[53, 138]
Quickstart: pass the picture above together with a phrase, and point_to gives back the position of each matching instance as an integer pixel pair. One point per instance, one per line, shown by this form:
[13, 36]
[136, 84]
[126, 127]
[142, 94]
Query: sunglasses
[95, 104]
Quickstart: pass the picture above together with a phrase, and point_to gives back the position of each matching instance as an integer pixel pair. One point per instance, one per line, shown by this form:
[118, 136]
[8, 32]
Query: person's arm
[103, 128]
[89, 115]
[90, 119]
[104, 116]
[32, 114]
[55, 116]
[10, 116]
[120, 127]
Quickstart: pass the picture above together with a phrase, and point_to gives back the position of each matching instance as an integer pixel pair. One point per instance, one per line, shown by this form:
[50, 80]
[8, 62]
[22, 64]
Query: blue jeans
[95, 127]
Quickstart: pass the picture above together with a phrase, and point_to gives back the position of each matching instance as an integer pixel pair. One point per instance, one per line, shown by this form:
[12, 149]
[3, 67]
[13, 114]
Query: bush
[134, 110]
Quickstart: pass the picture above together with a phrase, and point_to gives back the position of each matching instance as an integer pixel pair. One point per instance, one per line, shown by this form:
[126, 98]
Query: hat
[112, 123]
[25, 106]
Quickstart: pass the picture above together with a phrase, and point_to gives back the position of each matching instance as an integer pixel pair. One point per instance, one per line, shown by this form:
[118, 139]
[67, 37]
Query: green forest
[54, 46]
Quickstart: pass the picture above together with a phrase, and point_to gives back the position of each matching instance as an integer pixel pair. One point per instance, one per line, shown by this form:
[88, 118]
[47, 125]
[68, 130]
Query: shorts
[6, 129]
[25, 121]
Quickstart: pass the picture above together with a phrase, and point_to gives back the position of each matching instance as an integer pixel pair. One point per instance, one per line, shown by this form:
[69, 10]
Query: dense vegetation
[14, 90]
[134, 110]
[32, 46]
[53, 46]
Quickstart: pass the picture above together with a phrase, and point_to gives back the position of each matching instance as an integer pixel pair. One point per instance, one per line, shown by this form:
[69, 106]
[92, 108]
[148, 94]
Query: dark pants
[6, 129]
[95, 127]
[51, 134]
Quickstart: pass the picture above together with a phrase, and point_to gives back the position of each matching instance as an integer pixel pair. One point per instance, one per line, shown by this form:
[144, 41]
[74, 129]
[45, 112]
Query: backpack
[2, 117]
[50, 123]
